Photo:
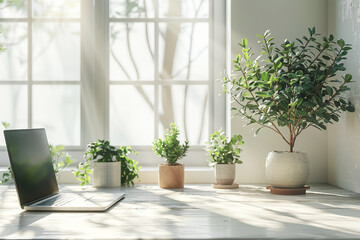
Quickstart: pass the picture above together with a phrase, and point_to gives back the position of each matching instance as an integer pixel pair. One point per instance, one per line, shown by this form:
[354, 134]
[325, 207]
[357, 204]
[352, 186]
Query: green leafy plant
[6, 176]
[2, 49]
[297, 87]
[59, 158]
[222, 151]
[170, 147]
[6, 125]
[102, 151]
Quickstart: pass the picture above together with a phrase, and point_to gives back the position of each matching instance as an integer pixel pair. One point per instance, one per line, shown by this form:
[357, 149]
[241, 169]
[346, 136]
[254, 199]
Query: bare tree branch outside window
[170, 36]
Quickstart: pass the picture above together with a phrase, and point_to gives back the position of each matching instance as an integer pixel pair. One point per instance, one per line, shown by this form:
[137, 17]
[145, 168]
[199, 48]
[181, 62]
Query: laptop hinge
[39, 200]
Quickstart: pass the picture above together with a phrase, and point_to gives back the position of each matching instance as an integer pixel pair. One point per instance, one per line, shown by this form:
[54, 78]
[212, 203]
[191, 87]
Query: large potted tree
[224, 154]
[289, 88]
[171, 174]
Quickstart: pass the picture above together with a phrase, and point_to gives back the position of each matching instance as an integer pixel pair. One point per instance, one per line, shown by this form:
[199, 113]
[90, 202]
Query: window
[159, 70]
[116, 69]
[40, 68]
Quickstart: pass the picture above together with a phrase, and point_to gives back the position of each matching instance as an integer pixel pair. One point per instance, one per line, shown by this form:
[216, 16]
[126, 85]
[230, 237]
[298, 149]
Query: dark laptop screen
[31, 164]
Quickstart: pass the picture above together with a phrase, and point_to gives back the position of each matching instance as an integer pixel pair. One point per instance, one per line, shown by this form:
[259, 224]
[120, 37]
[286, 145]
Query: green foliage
[102, 151]
[59, 158]
[82, 173]
[129, 167]
[17, 4]
[2, 48]
[296, 86]
[12, 3]
[6, 125]
[222, 151]
[170, 147]
[133, 8]
[7, 176]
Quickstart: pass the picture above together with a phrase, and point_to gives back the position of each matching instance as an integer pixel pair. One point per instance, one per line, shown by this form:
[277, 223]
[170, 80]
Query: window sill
[148, 175]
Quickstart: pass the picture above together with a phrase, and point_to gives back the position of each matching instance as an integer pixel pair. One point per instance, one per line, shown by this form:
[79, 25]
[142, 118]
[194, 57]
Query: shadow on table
[186, 214]
[191, 213]
[22, 224]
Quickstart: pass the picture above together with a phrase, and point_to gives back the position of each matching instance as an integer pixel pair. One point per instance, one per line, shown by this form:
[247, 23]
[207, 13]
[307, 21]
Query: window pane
[184, 51]
[131, 9]
[13, 9]
[131, 115]
[56, 8]
[57, 109]
[56, 51]
[13, 61]
[184, 8]
[13, 109]
[132, 51]
[187, 106]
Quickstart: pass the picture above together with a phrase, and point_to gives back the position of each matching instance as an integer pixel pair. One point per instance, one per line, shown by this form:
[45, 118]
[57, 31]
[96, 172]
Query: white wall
[344, 137]
[286, 19]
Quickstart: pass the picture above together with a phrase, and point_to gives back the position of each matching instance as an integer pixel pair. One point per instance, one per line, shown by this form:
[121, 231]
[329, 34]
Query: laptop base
[101, 202]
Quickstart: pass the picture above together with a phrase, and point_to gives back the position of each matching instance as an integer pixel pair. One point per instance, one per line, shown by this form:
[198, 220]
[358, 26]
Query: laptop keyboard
[59, 200]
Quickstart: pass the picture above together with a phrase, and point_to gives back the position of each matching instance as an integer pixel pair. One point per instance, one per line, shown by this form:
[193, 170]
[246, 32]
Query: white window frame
[95, 65]
[30, 82]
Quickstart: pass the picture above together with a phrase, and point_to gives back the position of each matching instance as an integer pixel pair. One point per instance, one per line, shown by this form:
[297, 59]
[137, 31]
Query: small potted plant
[111, 166]
[171, 175]
[292, 86]
[224, 155]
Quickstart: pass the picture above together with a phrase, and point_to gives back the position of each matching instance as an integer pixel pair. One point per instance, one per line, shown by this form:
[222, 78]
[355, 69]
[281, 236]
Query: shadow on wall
[351, 11]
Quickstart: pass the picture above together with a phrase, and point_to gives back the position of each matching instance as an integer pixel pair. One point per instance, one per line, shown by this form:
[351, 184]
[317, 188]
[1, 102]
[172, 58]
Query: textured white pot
[287, 169]
[107, 174]
[224, 173]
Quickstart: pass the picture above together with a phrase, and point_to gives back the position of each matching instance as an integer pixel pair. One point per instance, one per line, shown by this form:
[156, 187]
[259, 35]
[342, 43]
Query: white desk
[198, 211]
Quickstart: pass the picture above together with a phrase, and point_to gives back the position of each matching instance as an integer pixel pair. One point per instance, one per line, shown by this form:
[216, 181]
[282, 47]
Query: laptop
[35, 178]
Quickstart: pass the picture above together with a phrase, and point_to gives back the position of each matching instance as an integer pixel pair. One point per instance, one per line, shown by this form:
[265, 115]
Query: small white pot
[287, 169]
[107, 174]
[224, 173]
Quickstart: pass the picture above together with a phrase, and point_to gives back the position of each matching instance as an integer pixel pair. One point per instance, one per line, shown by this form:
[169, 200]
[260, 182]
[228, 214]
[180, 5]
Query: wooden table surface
[195, 212]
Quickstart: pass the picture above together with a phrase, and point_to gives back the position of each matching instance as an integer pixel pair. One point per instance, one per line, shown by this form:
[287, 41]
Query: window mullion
[212, 86]
[218, 51]
[92, 67]
[105, 68]
[29, 19]
[156, 65]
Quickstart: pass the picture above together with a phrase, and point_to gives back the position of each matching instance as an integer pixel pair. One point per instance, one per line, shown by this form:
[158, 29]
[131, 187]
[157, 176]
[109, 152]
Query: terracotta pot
[287, 169]
[107, 174]
[224, 173]
[171, 176]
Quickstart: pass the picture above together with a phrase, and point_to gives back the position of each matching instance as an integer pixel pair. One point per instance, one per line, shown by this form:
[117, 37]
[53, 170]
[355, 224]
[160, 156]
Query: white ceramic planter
[224, 173]
[107, 174]
[287, 169]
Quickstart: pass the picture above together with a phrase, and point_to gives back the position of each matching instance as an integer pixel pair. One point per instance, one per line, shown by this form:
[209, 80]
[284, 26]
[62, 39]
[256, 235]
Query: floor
[196, 212]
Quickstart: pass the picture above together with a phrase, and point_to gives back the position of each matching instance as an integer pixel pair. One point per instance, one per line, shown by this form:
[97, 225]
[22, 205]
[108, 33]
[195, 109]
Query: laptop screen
[31, 164]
